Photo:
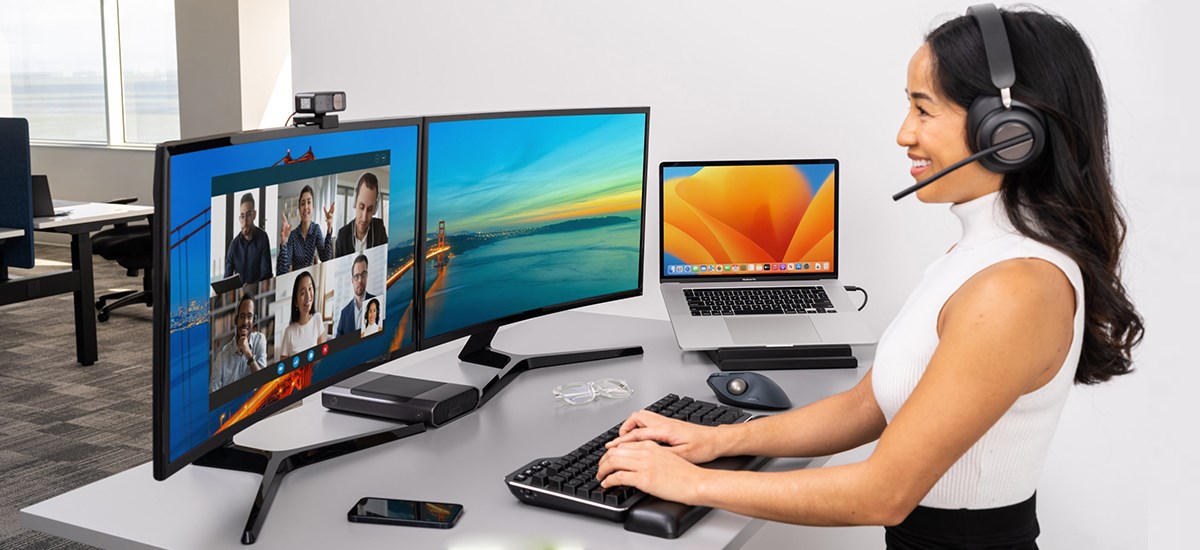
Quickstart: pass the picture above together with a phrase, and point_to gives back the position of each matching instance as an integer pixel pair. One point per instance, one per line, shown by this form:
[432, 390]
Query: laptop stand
[773, 358]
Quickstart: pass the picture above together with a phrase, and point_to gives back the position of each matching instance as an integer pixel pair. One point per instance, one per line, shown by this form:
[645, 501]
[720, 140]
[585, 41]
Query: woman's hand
[692, 442]
[284, 230]
[329, 218]
[653, 469]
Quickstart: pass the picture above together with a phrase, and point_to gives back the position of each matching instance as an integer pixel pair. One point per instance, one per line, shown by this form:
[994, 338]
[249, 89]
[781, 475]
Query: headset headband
[995, 44]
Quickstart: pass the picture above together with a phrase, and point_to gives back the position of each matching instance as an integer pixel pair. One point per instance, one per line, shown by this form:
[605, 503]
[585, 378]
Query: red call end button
[325, 349]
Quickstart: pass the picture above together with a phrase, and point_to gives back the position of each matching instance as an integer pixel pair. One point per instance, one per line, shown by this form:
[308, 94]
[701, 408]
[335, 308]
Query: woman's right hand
[286, 229]
[692, 442]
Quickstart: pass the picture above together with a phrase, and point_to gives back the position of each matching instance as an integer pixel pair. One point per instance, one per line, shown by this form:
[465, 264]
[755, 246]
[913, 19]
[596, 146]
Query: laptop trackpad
[776, 329]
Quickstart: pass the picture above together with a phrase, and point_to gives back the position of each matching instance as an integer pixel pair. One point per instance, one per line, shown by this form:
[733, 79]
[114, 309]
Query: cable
[850, 288]
[289, 120]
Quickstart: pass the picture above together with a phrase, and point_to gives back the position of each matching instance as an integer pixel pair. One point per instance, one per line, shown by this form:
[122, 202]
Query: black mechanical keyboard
[758, 301]
[568, 482]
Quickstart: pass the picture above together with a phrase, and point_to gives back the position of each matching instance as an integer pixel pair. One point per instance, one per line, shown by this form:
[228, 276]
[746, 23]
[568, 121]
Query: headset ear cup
[989, 123]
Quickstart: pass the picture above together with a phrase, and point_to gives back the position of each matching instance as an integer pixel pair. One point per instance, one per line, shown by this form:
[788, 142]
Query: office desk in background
[7, 233]
[464, 461]
[82, 219]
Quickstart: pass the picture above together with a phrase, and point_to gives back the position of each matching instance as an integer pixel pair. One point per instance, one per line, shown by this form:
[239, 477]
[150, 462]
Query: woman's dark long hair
[1065, 199]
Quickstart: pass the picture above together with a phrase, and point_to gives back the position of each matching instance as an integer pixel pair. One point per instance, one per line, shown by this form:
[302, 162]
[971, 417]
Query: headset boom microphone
[990, 150]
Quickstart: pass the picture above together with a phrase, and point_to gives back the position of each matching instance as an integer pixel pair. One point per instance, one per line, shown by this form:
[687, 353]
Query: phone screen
[405, 512]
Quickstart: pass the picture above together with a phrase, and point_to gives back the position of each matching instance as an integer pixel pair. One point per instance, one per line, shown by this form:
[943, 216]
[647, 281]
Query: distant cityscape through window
[90, 71]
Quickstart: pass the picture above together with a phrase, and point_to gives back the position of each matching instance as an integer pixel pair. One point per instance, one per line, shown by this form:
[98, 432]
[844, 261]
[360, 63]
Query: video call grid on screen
[203, 319]
[332, 288]
[531, 212]
[727, 219]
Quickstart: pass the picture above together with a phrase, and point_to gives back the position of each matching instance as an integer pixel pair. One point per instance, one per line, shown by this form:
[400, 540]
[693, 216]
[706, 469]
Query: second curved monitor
[529, 213]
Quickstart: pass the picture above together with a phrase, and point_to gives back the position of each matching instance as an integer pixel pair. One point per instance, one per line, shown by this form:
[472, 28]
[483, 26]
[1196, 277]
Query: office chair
[130, 247]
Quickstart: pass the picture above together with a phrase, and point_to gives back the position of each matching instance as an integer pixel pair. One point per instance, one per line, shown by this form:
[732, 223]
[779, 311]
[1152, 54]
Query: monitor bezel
[426, 342]
[759, 276]
[163, 466]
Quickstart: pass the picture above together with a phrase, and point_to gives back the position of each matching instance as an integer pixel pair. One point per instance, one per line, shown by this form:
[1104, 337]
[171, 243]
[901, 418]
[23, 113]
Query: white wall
[782, 79]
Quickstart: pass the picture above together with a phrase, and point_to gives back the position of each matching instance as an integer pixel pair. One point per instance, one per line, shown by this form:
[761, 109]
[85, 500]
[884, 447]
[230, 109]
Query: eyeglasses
[361, 276]
[579, 393]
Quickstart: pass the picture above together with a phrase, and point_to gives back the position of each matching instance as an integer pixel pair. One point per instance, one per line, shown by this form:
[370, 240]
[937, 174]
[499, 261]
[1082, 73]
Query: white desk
[462, 462]
[80, 222]
[83, 214]
[10, 233]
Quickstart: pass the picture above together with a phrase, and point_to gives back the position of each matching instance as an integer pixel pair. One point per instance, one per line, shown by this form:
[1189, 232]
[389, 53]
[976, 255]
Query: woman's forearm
[832, 425]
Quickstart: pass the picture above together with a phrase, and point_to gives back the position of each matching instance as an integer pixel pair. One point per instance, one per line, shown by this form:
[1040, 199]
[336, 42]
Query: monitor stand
[479, 350]
[273, 465]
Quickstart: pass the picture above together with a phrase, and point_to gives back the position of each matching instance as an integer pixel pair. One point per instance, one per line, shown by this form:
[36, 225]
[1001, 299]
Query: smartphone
[391, 511]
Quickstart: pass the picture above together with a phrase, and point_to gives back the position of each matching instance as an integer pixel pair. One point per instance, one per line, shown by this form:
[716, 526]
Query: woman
[306, 329]
[304, 244]
[970, 378]
[371, 318]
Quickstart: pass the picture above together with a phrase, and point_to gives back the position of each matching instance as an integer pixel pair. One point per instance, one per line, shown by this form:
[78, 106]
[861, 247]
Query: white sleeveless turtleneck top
[1003, 467]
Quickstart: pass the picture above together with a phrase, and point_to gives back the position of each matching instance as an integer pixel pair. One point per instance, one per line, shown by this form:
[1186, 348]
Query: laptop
[228, 284]
[43, 205]
[749, 255]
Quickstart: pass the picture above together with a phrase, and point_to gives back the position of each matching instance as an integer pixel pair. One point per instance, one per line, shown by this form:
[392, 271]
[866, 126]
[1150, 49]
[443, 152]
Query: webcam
[313, 108]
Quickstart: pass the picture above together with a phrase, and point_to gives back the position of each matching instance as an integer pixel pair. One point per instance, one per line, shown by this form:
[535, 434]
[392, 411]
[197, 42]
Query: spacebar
[758, 312]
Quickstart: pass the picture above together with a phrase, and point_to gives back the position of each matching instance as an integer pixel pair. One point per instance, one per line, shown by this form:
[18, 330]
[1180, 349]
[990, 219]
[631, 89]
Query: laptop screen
[738, 219]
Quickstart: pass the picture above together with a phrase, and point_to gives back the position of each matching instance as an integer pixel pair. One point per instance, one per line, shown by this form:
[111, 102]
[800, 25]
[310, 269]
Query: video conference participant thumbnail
[305, 328]
[365, 230]
[244, 353]
[350, 319]
[249, 252]
[371, 322]
[305, 243]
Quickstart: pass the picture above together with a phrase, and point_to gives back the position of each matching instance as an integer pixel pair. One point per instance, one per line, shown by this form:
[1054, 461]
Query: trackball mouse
[748, 390]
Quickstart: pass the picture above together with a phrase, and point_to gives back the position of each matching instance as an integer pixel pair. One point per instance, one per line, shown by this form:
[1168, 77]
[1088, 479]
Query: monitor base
[273, 465]
[479, 350]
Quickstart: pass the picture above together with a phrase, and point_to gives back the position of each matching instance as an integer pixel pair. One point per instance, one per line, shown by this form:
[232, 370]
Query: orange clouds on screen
[734, 214]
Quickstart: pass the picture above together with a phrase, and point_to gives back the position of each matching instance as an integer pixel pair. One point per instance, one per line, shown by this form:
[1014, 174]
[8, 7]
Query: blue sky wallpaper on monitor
[529, 212]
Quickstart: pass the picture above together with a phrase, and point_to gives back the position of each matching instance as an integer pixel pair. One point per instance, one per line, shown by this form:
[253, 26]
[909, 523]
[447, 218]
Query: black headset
[994, 119]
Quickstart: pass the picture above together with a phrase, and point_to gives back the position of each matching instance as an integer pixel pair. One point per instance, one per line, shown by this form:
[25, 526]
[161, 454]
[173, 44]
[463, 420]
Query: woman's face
[935, 134]
[304, 296]
[372, 313]
[306, 207]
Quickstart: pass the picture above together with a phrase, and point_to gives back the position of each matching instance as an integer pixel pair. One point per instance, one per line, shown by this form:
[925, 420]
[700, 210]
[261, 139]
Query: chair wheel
[102, 317]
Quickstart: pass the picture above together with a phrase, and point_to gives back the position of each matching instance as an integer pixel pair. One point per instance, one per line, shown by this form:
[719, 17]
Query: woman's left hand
[652, 468]
[329, 218]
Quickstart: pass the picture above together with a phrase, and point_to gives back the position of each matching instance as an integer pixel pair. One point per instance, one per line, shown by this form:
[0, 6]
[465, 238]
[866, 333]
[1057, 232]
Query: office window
[148, 73]
[90, 71]
[52, 68]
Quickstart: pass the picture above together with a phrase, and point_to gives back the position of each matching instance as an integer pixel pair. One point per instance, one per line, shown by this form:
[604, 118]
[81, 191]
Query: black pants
[1012, 527]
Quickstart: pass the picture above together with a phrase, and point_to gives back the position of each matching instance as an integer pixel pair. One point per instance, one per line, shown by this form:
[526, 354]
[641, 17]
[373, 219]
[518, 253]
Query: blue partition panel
[16, 207]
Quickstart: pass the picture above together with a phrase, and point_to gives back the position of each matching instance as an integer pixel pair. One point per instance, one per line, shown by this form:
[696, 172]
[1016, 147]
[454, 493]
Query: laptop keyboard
[758, 301]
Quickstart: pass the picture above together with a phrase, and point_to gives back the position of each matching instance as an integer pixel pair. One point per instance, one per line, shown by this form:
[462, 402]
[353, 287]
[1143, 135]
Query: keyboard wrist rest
[668, 519]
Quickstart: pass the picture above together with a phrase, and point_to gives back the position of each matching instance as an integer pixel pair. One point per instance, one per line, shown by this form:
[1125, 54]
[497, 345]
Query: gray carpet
[63, 426]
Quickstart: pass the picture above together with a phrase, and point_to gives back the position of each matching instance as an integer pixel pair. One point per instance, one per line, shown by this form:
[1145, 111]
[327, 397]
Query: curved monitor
[284, 264]
[529, 213]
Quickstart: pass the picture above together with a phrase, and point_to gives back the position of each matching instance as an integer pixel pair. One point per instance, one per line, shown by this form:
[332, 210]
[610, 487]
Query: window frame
[114, 88]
